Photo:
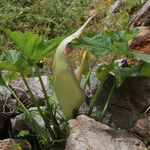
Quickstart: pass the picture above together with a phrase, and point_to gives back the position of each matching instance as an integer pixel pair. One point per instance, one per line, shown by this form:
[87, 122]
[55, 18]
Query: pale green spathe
[68, 92]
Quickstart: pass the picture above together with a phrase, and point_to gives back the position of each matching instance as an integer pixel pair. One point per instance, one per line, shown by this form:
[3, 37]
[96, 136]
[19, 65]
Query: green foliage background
[52, 18]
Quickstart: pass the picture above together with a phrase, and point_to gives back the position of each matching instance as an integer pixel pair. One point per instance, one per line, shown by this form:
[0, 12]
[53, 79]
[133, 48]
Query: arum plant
[67, 89]
[31, 48]
[23, 63]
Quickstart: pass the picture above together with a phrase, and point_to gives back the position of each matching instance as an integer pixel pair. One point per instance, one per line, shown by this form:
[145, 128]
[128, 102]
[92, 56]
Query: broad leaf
[101, 72]
[139, 56]
[12, 56]
[119, 49]
[5, 64]
[108, 42]
[20, 66]
[52, 45]
[26, 42]
[6, 77]
[141, 69]
[32, 45]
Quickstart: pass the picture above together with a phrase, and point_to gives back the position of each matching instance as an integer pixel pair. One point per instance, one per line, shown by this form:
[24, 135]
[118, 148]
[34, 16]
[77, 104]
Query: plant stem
[26, 111]
[100, 87]
[96, 96]
[52, 116]
[108, 101]
[18, 100]
[38, 107]
[32, 96]
[147, 110]
[88, 75]
[87, 78]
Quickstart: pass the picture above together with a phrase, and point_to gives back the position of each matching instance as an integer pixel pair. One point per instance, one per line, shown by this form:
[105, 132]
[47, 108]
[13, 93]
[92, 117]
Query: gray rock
[127, 102]
[8, 103]
[142, 127]
[5, 98]
[87, 134]
[94, 82]
[34, 84]
[4, 93]
[20, 122]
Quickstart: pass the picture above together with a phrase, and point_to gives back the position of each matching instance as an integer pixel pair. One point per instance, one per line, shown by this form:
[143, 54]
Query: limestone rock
[34, 84]
[5, 98]
[87, 134]
[20, 122]
[142, 127]
[7, 101]
[4, 93]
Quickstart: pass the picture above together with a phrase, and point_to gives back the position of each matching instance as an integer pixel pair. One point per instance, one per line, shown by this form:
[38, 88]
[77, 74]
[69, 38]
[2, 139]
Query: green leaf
[12, 56]
[32, 45]
[145, 71]
[23, 133]
[6, 77]
[116, 71]
[7, 65]
[21, 66]
[139, 56]
[141, 69]
[1, 80]
[101, 72]
[121, 36]
[99, 45]
[119, 49]
[52, 45]
[26, 42]
[108, 42]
